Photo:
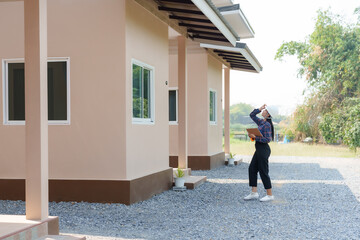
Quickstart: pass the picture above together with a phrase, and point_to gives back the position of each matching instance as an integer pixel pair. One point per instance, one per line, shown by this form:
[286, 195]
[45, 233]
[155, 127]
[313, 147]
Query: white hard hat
[271, 110]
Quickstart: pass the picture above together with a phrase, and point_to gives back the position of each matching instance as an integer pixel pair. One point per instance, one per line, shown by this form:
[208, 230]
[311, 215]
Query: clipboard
[254, 131]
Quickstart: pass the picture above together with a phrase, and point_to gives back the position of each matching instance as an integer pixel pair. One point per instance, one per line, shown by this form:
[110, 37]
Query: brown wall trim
[12, 189]
[201, 162]
[117, 191]
[173, 161]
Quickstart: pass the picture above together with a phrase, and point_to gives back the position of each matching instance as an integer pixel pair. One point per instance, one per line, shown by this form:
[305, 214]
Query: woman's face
[264, 113]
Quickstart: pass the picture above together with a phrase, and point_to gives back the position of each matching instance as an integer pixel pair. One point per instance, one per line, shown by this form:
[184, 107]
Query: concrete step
[191, 182]
[237, 161]
[60, 237]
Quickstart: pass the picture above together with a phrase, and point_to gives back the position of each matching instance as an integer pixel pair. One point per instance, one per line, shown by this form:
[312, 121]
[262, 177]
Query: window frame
[176, 89]
[151, 120]
[5, 64]
[215, 107]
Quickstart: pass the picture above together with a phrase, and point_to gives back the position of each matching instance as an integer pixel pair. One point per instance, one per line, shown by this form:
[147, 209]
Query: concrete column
[36, 112]
[227, 111]
[182, 102]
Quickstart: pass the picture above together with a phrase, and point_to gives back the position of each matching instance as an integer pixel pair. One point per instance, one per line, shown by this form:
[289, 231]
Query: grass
[294, 149]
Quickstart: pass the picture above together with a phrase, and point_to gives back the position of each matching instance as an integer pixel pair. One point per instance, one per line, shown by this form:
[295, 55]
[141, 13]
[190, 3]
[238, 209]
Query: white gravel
[315, 198]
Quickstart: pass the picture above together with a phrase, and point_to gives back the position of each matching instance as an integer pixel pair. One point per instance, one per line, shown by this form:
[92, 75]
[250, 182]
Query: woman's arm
[256, 111]
[254, 117]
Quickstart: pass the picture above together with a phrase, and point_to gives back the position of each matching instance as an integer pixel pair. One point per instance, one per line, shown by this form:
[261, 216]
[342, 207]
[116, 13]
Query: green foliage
[330, 63]
[239, 113]
[179, 173]
[343, 124]
[232, 155]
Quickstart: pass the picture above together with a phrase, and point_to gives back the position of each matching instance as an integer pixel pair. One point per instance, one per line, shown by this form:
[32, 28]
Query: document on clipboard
[254, 131]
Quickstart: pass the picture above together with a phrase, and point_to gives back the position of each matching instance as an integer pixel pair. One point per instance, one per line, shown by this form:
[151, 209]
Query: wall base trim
[102, 191]
[201, 162]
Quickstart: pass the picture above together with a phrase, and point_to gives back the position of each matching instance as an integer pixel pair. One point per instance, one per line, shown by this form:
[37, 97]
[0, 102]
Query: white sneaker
[252, 195]
[267, 198]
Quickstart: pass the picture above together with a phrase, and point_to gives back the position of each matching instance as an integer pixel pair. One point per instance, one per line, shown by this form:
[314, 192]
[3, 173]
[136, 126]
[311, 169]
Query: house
[85, 95]
[206, 63]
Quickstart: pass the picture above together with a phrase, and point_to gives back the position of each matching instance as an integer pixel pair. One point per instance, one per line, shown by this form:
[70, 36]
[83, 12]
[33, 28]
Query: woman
[260, 160]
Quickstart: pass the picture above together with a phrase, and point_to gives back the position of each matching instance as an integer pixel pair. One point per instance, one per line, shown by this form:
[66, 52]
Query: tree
[330, 62]
[239, 113]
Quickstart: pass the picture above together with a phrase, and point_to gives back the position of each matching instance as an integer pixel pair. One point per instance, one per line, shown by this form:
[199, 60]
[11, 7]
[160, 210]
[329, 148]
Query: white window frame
[215, 106]
[151, 120]
[5, 63]
[176, 122]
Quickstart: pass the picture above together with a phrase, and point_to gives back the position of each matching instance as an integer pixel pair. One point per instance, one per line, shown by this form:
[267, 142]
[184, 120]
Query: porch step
[60, 237]
[192, 182]
[237, 161]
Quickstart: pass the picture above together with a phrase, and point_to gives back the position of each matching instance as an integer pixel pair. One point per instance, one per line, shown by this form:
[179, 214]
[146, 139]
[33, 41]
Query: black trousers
[260, 163]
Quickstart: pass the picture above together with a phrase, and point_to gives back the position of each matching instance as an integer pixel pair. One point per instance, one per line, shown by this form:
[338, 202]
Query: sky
[275, 22]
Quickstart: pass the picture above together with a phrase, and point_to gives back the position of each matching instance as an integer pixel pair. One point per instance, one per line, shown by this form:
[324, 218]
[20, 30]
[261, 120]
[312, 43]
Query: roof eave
[213, 14]
[235, 10]
[243, 50]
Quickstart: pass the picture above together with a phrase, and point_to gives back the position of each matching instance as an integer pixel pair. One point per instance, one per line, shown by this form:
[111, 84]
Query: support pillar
[227, 111]
[36, 112]
[182, 103]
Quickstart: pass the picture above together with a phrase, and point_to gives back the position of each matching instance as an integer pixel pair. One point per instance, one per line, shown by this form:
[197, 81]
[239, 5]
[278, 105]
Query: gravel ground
[315, 198]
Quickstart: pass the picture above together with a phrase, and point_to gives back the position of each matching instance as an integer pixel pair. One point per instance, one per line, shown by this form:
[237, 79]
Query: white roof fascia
[222, 3]
[241, 17]
[210, 13]
[240, 48]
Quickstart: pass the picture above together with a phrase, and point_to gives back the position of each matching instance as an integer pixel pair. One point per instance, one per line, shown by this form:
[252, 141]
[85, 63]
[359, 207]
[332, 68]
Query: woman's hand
[251, 135]
[262, 107]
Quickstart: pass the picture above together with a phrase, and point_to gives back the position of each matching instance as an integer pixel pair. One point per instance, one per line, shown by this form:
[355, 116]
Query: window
[173, 106]
[143, 92]
[58, 92]
[212, 107]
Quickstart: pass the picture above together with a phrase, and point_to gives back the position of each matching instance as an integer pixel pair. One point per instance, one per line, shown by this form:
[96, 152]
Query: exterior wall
[147, 145]
[91, 34]
[215, 83]
[12, 138]
[204, 73]
[198, 109]
[173, 83]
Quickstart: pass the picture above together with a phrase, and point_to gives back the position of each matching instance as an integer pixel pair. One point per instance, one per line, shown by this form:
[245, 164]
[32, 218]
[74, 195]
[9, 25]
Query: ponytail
[272, 127]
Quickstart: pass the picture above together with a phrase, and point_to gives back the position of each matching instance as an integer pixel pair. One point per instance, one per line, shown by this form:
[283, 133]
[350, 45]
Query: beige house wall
[204, 73]
[215, 83]
[91, 34]
[12, 138]
[100, 142]
[147, 145]
[173, 83]
[198, 110]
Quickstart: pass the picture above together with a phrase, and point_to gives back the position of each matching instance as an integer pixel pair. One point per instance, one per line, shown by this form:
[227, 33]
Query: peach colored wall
[173, 82]
[91, 34]
[199, 82]
[215, 83]
[12, 138]
[147, 41]
[198, 111]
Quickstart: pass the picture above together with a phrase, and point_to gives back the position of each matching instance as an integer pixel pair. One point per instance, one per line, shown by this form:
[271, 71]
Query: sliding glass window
[142, 92]
[212, 107]
[58, 91]
[173, 106]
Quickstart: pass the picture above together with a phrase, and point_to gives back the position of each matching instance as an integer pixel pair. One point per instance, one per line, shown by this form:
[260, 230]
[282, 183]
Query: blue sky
[275, 22]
